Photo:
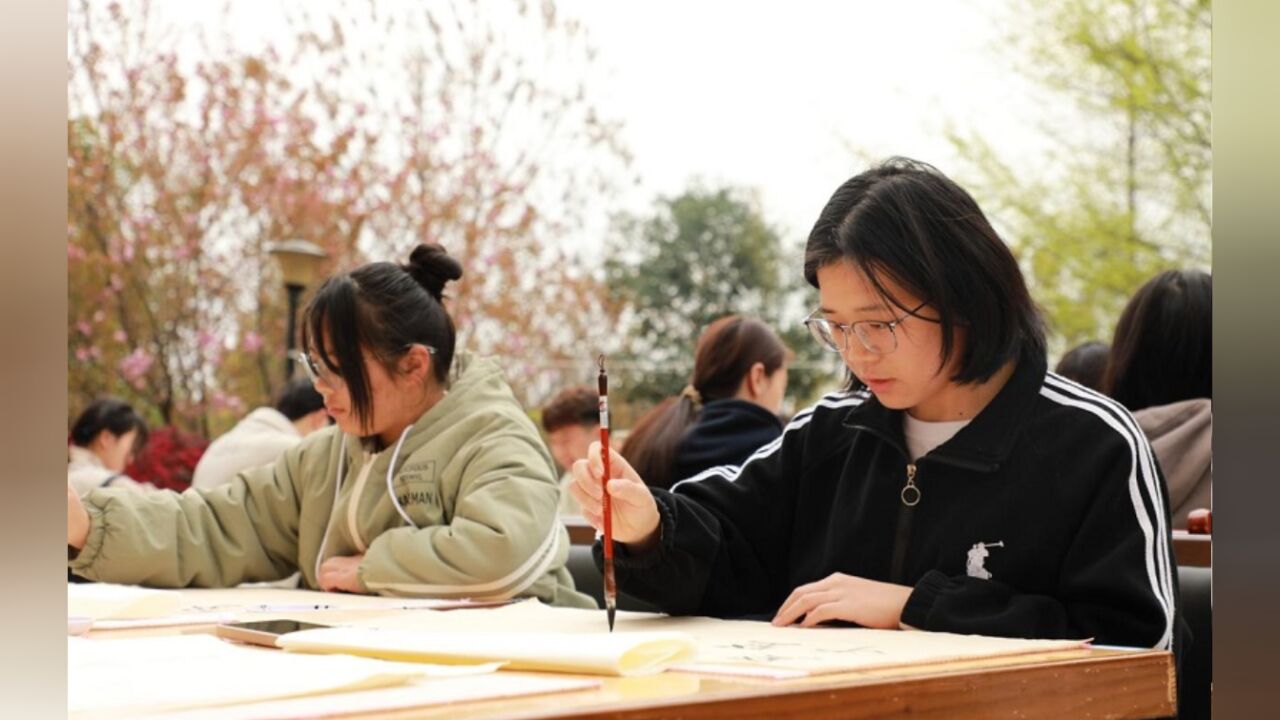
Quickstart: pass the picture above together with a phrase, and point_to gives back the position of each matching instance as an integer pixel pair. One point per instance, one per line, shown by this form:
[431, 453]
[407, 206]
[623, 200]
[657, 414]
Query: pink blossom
[85, 328]
[223, 401]
[74, 253]
[82, 354]
[136, 364]
[117, 283]
[206, 339]
[252, 341]
[99, 315]
[119, 336]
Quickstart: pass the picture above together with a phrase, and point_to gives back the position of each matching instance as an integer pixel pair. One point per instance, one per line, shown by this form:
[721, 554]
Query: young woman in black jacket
[728, 410]
[955, 485]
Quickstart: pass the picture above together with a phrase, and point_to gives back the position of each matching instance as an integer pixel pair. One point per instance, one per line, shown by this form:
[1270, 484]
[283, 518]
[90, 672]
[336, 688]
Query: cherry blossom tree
[365, 129]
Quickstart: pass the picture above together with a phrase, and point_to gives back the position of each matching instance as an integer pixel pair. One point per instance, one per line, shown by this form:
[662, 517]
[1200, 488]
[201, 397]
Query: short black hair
[906, 221]
[112, 415]
[1163, 347]
[385, 308]
[298, 399]
[1085, 363]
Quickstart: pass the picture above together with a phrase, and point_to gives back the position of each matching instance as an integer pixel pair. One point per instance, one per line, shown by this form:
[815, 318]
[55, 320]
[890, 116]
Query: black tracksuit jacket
[1044, 517]
[726, 433]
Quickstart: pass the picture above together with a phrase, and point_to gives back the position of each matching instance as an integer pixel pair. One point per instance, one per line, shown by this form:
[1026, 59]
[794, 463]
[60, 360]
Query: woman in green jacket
[434, 481]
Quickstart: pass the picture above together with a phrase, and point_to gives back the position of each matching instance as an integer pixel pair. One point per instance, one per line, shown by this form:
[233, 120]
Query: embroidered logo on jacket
[417, 484]
[977, 556]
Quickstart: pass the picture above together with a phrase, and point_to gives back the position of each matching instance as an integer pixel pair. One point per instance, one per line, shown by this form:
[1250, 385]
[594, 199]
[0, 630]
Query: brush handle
[606, 509]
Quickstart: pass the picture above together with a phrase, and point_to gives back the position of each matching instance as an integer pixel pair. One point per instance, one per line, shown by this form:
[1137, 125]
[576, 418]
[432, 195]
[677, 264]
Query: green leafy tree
[696, 257]
[1124, 194]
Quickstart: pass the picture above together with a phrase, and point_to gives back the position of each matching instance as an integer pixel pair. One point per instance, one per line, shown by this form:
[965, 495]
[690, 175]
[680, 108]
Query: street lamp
[298, 261]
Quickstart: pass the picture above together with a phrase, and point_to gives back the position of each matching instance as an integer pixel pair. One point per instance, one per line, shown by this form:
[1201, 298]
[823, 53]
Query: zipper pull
[911, 493]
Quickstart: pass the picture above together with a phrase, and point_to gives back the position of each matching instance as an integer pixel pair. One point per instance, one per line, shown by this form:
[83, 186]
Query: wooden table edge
[986, 692]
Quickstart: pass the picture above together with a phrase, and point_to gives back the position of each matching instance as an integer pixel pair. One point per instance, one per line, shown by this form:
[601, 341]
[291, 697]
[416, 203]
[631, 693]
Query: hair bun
[432, 267]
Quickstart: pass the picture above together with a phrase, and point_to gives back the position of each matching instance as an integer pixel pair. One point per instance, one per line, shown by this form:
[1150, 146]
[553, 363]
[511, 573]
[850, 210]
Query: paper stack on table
[414, 694]
[200, 676]
[153, 674]
[722, 647]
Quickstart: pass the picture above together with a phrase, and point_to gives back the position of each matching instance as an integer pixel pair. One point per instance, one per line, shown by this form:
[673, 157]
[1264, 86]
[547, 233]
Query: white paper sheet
[178, 620]
[126, 607]
[288, 601]
[422, 693]
[104, 600]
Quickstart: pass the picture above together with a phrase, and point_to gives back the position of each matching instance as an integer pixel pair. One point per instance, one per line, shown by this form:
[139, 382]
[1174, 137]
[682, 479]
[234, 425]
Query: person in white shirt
[263, 435]
[104, 439]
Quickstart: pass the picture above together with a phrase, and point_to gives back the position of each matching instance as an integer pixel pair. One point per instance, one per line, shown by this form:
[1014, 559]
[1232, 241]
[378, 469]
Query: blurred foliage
[1124, 195]
[169, 459]
[695, 257]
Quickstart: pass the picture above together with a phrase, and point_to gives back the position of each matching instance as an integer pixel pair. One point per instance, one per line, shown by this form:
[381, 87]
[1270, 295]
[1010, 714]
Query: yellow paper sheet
[125, 677]
[598, 653]
[735, 647]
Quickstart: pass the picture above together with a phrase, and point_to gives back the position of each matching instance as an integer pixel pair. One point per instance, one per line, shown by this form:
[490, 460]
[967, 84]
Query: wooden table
[1194, 550]
[1090, 683]
[580, 533]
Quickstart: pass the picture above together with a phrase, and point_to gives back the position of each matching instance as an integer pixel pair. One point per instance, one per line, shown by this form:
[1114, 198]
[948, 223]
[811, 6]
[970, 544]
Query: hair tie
[692, 393]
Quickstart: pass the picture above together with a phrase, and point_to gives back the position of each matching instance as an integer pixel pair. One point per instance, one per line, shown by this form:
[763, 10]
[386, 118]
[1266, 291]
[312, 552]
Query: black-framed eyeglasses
[319, 372]
[877, 336]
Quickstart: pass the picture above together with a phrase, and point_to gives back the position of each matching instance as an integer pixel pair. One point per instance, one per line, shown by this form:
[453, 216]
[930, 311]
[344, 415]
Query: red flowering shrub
[169, 459]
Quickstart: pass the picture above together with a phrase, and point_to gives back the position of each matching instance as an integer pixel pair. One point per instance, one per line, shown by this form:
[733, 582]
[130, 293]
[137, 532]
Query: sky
[792, 98]
[786, 99]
